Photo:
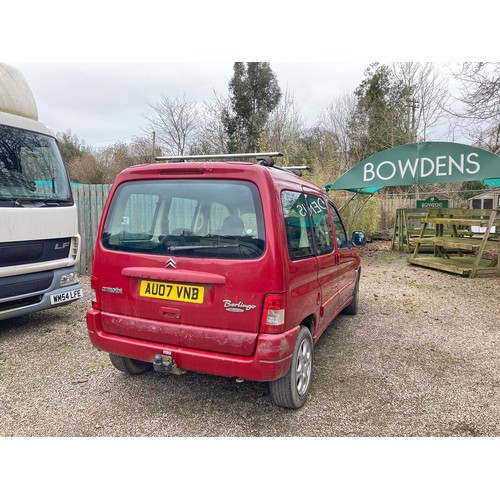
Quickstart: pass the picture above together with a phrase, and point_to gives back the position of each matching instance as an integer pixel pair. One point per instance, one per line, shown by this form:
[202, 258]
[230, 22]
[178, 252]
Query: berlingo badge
[237, 307]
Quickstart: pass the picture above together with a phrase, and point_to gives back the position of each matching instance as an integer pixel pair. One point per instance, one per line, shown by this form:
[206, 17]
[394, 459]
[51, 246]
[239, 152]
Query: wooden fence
[89, 199]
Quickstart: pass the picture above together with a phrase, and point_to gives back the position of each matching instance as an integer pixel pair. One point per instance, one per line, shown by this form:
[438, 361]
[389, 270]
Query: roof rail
[297, 170]
[264, 158]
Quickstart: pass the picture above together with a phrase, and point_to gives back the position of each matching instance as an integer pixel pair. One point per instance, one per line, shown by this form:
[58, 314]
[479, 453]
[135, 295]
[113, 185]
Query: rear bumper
[270, 361]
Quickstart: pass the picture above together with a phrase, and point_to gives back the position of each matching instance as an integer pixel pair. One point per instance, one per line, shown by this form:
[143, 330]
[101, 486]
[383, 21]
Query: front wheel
[128, 365]
[292, 390]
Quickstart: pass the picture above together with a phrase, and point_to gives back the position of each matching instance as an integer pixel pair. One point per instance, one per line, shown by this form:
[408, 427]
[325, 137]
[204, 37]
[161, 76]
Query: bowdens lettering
[440, 166]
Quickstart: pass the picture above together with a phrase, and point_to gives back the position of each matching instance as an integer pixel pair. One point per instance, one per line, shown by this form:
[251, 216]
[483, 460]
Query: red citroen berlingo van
[221, 267]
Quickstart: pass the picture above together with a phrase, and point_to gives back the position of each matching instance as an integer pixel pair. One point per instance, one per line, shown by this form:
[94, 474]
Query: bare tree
[211, 137]
[325, 146]
[102, 165]
[140, 150]
[479, 87]
[284, 129]
[86, 169]
[175, 121]
[336, 122]
[427, 99]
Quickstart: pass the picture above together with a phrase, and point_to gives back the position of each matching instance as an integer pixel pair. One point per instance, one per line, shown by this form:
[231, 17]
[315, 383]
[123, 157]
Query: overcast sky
[102, 103]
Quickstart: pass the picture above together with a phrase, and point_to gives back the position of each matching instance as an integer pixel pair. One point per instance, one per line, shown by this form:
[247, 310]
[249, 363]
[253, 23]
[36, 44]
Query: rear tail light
[273, 315]
[94, 288]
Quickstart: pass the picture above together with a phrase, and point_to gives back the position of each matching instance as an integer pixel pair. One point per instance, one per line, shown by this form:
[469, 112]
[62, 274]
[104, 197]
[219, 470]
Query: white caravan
[39, 240]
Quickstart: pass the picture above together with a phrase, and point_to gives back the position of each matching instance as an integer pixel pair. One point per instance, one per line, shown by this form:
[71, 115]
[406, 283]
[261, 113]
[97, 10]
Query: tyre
[292, 390]
[352, 308]
[128, 365]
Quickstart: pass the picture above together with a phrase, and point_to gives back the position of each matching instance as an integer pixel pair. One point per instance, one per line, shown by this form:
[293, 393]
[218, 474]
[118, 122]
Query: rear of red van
[230, 269]
[187, 272]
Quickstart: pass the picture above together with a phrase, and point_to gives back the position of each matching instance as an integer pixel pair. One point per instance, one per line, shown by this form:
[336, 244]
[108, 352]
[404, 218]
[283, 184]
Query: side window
[488, 203]
[322, 228]
[342, 240]
[298, 231]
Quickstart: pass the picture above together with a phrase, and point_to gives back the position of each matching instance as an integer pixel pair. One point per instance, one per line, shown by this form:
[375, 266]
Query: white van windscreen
[191, 218]
[32, 172]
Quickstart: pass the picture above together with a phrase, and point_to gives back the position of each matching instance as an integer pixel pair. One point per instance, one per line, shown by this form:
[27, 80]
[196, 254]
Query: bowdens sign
[419, 168]
[432, 202]
[421, 163]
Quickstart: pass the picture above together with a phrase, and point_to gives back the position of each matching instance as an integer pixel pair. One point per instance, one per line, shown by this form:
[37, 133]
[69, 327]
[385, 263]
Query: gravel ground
[422, 358]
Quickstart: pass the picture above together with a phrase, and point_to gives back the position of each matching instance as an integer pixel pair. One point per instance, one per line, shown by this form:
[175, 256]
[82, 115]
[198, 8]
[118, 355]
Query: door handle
[170, 312]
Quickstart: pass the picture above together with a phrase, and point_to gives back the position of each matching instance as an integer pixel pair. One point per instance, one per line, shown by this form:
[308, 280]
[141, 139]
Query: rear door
[303, 286]
[329, 271]
[187, 257]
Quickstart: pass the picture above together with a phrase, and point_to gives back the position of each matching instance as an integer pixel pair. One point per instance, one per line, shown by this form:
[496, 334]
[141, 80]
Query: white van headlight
[68, 279]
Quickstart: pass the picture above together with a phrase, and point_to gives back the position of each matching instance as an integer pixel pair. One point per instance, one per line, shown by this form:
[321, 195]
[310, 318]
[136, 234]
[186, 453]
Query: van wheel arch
[310, 324]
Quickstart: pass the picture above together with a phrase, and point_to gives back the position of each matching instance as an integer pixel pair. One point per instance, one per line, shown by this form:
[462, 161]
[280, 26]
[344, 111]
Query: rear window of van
[191, 218]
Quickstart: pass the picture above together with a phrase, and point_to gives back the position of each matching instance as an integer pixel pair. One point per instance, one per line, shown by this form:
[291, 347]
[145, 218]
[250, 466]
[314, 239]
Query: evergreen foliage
[382, 115]
[70, 146]
[254, 94]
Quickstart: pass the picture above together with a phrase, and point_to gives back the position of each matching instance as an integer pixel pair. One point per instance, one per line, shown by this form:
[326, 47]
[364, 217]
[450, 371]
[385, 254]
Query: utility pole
[413, 104]
[412, 133]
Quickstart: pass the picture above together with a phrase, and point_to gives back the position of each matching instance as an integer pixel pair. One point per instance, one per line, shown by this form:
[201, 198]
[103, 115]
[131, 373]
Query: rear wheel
[128, 365]
[292, 390]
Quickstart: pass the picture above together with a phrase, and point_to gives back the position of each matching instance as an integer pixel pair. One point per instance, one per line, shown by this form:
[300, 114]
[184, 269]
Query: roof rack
[263, 157]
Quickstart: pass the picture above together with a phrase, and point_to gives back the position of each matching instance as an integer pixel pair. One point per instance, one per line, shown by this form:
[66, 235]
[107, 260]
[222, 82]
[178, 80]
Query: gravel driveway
[422, 358]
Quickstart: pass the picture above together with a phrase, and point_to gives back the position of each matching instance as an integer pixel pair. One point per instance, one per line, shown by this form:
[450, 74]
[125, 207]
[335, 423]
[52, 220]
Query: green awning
[421, 163]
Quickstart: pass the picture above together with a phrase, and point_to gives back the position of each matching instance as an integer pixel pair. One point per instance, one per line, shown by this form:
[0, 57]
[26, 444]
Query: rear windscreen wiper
[201, 247]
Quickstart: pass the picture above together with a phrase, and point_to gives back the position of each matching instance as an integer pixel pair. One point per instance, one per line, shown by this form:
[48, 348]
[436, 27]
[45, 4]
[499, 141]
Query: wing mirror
[358, 239]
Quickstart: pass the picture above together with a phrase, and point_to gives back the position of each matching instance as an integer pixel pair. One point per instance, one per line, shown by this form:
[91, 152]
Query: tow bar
[163, 363]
